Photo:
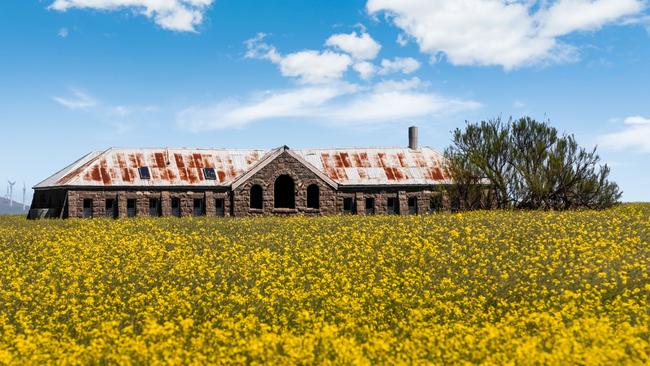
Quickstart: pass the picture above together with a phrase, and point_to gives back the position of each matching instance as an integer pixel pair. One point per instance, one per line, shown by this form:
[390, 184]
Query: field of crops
[480, 287]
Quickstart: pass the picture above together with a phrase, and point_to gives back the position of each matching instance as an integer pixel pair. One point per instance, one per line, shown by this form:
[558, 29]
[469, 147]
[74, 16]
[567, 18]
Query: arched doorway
[284, 192]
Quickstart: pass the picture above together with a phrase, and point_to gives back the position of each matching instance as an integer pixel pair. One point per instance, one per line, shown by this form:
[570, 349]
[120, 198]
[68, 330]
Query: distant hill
[6, 208]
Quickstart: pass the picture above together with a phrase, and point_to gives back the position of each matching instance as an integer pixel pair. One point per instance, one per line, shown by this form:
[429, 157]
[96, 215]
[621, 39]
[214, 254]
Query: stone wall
[345, 200]
[422, 197]
[303, 177]
[76, 201]
[330, 201]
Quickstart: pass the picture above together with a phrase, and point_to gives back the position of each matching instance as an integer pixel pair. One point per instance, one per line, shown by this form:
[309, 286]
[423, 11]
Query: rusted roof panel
[168, 167]
[379, 166]
[184, 167]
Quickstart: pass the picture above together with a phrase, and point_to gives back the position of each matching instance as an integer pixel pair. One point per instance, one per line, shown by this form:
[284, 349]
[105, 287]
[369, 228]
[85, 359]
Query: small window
[176, 207]
[220, 205]
[413, 205]
[209, 174]
[144, 172]
[313, 199]
[348, 206]
[435, 202]
[257, 197]
[88, 208]
[130, 207]
[111, 208]
[154, 207]
[370, 206]
[199, 207]
[392, 206]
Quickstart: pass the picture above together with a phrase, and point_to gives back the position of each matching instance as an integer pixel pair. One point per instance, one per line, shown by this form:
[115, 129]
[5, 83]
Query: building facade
[219, 182]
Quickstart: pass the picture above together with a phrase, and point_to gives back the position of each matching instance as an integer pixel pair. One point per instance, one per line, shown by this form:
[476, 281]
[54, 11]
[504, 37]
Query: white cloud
[405, 65]
[395, 101]
[636, 120]
[365, 69]
[309, 66]
[121, 110]
[402, 40]
[297, 102]
[78, 100]
[642, 20]
[175, 15]
[257, 48]
[63, 32]
[313, 67]
[361, 47]
[507, 33]
[81, 100]
[567, 16]
[635, 135]
[400, 85]
[335, 103]
[323, 94]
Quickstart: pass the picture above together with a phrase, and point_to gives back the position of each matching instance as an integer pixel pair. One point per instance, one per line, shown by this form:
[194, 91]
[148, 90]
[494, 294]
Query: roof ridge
[364, 148]
[187, 148]
[263, 149]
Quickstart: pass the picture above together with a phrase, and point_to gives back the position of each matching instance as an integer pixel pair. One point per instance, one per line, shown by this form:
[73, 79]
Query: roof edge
[314, 170]
[270, 156]
[74, 165]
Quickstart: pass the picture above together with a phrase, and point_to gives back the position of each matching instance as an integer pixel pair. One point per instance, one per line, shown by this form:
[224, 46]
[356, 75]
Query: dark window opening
[154, 207]
[130, 207]
[176, 207]
[284, 192]
[455, 203]
[392, 206]
[88, 208]
[257, 197]
[209, 174]
[220, 206]
[348, 206]
[144, 172]
[435, 203]
[370, 206]
[199, 207]
[111, 208]
[313, 196]
[413, 205]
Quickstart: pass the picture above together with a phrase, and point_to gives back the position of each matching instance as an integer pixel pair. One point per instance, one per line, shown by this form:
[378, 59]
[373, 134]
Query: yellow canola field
[482, 287]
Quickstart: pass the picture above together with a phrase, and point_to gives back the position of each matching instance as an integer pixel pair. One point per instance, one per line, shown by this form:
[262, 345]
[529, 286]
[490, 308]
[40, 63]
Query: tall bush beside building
[528, 164]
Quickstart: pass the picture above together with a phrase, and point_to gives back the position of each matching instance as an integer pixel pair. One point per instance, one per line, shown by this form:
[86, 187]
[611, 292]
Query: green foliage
[527, 164]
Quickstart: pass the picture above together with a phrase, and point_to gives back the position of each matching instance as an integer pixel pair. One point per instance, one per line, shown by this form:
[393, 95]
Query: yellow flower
[491, 287]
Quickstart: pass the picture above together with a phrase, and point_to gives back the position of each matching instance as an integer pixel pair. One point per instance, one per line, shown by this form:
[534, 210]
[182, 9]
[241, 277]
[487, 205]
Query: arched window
[284, 192]
[257, 197]
[313, 196]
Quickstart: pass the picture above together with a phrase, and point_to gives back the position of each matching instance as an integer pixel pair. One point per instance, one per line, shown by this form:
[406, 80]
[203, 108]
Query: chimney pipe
[413, 138]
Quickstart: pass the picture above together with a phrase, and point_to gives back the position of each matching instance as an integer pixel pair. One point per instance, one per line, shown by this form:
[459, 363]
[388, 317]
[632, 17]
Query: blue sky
[82, 75]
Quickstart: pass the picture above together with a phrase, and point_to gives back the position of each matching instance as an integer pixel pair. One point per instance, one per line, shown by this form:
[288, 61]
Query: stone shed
[225, 182]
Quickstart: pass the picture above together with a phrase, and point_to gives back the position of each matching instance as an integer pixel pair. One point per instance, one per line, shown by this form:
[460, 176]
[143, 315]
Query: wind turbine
[11, 192]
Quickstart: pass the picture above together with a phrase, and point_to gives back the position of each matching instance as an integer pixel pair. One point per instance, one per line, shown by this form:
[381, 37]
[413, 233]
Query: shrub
[527, 164]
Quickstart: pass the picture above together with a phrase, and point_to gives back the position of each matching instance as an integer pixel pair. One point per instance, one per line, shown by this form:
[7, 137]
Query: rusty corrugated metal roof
[184, 167]
[168, 167]
[378, 166]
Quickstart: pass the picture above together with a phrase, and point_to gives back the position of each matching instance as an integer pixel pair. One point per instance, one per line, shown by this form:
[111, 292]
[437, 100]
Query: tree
[527, 164]
[482, 152]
